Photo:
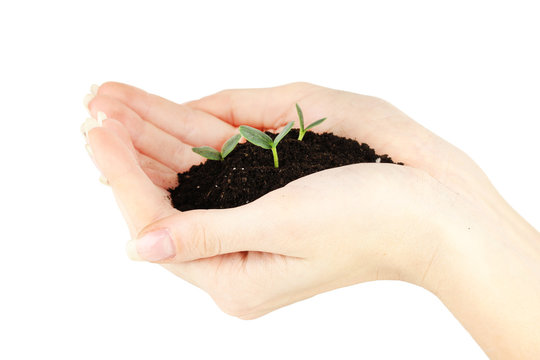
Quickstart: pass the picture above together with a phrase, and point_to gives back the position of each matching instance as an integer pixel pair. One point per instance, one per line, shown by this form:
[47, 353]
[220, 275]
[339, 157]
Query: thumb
[197, 234]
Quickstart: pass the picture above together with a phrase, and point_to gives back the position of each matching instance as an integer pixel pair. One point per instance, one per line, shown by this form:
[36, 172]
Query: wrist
[480, 238]
[488, 278]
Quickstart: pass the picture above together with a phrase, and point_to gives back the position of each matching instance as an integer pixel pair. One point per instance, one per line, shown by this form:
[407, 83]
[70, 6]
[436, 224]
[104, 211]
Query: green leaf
[207, 152]
[315, 123]
[300, 117]
[230, 145]
[256, 137]
[283, 132]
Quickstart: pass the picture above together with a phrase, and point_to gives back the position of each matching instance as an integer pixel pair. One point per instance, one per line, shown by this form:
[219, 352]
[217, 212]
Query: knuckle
[377, 100]
[198, 241]
[128, 94]
[303, 87]
[225, 95]
[211, 244]
[179, 155]
[206, 245]
[301, 84]
[109, 87]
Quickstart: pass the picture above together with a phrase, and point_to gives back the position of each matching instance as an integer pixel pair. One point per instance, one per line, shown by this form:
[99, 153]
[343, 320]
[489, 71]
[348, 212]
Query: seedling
[303, 131]
[213, 154]
[257, 137]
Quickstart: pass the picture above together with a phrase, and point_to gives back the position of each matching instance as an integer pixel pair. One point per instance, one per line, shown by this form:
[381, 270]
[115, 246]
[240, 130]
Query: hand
[330, 229]
[277, 237]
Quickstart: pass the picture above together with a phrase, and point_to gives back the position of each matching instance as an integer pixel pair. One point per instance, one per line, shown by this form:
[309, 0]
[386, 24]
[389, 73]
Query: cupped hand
[327, 230]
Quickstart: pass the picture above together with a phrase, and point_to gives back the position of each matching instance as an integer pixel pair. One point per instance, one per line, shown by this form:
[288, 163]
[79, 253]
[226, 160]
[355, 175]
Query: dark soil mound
[248, 172]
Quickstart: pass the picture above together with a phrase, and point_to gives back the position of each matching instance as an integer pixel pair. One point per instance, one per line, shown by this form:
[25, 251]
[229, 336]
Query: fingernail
[86, 100]
[94, 89]
[89, 150]
[88, 125]
[131, 251]
[100, 117]
[103, 180]
[153, 246]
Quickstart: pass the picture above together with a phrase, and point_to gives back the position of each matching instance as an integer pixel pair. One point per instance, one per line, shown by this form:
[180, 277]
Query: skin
[436, 222]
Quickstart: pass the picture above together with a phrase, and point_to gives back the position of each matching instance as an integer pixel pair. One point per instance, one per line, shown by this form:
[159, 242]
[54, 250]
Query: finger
[264, 108]
[158, 173]
[140, 200]
[259, 226]
[200, 273]
[147, 139]
[192, 127]
[363, 118]
[238, 282]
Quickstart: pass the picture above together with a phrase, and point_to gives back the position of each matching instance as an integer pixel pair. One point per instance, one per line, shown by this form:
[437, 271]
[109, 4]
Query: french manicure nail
[154, 246]
[86, 100]
[88, 125]
[131, 251]
[103, 180]
[89, 150]
[100, 117]
[94, 89]
[83, 131]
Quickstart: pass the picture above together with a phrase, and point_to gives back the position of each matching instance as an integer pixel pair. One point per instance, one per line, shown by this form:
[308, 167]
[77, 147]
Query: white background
[467, 70]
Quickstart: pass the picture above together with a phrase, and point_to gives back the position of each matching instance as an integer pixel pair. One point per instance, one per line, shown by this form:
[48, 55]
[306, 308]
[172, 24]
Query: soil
[248, 172]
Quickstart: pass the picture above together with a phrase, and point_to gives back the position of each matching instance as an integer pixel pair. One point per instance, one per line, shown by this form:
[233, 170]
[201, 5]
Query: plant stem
[276, 161]
[301, 135]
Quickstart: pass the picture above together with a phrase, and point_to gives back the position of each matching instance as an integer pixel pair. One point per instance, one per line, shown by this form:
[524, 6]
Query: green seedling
[312, 125]
[213, 154]
[257, 137]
